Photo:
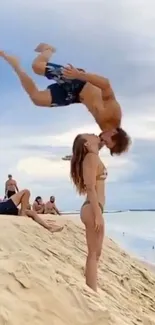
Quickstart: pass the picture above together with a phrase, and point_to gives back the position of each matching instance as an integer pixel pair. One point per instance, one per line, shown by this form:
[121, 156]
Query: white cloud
[118, 167]
[138, 127]
[43, 168]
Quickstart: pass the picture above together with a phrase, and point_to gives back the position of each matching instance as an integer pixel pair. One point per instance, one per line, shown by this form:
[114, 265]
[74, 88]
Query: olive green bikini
[98, 178]
[88, 202]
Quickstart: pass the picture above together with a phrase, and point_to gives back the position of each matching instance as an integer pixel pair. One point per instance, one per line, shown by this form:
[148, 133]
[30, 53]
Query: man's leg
[22, 198]
[48, 225]
[39, 98]
[39, 64]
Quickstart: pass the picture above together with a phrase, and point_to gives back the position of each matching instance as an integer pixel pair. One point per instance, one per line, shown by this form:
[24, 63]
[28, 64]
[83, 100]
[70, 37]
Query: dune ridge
[42, 282]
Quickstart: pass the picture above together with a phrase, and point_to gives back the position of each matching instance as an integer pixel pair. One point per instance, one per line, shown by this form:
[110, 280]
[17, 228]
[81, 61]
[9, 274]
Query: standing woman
[88, 174]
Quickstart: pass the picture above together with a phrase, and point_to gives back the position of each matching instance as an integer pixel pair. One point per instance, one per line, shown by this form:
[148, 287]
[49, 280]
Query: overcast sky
[114, 38]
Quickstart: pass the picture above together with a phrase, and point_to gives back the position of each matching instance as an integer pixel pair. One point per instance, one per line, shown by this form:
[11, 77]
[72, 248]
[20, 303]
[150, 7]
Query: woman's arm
[90, 166]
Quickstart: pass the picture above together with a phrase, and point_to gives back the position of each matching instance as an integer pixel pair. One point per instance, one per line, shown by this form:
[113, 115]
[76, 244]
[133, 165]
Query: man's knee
[25, 192]
[41, 98]
[39, 67]
[36, 99]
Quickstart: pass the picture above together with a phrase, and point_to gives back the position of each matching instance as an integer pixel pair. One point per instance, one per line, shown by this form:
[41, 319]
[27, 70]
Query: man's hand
[69, 72]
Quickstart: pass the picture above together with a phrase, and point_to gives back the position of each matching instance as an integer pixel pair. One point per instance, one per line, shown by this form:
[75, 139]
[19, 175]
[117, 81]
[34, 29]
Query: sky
[113, 38]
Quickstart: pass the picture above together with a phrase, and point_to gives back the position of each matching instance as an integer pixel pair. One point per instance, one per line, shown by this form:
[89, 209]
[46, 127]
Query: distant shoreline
[112, 211]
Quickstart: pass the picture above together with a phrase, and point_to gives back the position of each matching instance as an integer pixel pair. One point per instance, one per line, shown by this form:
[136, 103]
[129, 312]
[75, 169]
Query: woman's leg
[39, 98]
[40, 62]
[94, 243]
[99, 243]
[91, 262]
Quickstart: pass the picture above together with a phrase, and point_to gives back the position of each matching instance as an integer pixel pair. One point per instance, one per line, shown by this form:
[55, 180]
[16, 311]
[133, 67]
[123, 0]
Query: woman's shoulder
[91, 158]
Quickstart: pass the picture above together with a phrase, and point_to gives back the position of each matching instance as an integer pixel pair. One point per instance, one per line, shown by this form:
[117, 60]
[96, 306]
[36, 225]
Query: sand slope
[42, 282]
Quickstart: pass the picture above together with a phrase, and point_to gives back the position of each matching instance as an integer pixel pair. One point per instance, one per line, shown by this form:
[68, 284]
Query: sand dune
[42, 282]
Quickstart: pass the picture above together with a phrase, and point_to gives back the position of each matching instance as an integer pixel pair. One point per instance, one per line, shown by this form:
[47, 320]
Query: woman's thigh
[94, 238]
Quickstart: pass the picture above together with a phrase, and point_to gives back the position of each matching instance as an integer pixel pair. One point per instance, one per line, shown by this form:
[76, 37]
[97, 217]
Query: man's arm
[56, 209]
[98, 81]
[94, 79]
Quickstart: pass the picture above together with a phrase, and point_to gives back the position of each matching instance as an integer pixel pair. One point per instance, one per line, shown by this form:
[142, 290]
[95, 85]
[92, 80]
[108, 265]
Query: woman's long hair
[79, 152]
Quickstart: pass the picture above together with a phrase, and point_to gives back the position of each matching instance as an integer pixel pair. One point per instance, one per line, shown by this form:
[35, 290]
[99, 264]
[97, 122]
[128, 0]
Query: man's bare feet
[11, 59]
[54, 228]
[2, 53]
[43, 47]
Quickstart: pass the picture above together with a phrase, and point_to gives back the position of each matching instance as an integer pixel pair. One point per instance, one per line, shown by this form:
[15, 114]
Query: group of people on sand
[14, 198]
[38, 205]
[73, 85]
[22, 199]
[45, 208]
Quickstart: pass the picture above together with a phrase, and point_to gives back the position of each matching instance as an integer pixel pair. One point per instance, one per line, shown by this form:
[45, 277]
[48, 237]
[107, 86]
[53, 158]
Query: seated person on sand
[10, 187]
[88, 174]
[38, 205]
[10, 207]
[50, 207]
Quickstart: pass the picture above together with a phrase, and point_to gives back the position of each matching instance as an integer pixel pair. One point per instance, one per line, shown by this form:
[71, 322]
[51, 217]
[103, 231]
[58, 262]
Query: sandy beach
[42, 281]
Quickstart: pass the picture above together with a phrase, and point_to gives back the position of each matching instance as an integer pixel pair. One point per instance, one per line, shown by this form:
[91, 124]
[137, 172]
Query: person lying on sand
[71, 86]
[10, 207]
[50, 207]
[88, 174]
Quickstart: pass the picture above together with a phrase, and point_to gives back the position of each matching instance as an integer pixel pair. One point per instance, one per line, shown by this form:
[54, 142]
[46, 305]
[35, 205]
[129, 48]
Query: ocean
[133, 231]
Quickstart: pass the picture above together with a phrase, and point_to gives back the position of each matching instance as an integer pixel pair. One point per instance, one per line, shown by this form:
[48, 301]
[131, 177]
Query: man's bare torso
[50, 205]
[102, 105]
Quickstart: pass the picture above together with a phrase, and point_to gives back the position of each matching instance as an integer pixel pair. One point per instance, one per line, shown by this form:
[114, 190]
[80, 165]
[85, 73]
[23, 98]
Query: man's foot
[55, 228]
[43, 47]
[12, 60]
[2, 53]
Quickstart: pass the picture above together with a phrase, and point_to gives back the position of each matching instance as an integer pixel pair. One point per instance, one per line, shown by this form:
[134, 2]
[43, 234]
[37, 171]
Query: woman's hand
[98, 222]
[70, 72]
